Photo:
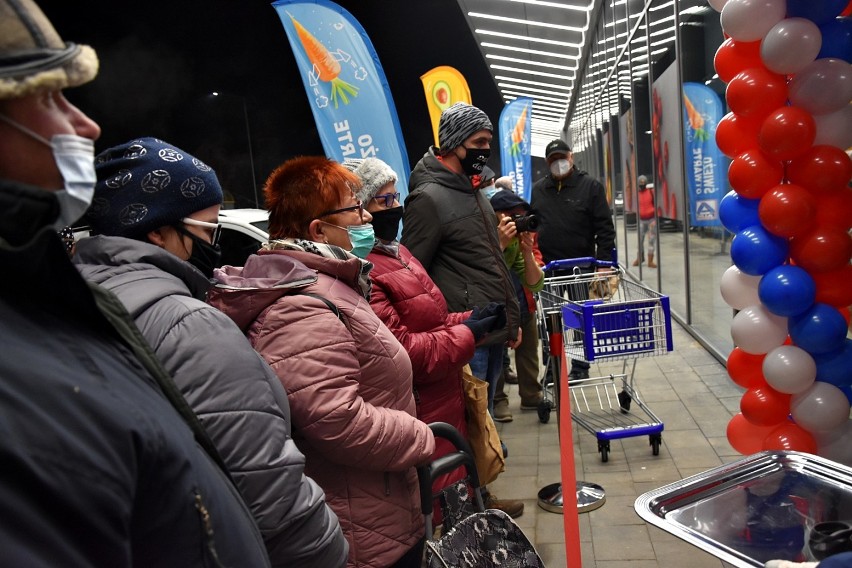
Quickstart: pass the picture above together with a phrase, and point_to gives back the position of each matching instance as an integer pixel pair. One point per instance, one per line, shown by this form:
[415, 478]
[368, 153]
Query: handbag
[481, 430]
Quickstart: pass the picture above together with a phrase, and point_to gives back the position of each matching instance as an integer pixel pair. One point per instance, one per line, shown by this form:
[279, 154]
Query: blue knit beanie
[146, 184]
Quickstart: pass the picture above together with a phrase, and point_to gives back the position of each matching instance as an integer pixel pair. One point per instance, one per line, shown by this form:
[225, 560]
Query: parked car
[243, 231]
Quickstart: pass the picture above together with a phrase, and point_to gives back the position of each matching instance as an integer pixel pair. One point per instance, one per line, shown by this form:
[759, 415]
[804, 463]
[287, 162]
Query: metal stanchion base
[590, 496]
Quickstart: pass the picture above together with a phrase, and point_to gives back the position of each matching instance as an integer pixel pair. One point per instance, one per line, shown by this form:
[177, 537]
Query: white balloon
[834, 129]
[750, 20]
[789, 369]
[821, 407]
[756, 330]
[822, 87]
[717, 4]
[739, 290]
[836, 444]
[790, 45]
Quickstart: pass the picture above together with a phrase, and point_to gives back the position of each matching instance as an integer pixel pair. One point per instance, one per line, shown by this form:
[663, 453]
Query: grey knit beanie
[146, 184]
[458, 123]
[373, 173]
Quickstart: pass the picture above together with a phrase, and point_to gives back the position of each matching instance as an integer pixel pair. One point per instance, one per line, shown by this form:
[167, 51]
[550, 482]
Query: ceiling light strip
[577, 46]
[525, 22]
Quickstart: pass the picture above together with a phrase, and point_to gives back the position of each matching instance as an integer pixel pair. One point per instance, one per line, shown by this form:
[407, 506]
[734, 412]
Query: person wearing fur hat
[103, 462]
[155, 217]
[450, 227]
[439, 342]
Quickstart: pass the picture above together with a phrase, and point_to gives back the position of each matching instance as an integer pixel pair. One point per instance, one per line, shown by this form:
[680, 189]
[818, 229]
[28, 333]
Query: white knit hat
[33, 58]
[373, 173]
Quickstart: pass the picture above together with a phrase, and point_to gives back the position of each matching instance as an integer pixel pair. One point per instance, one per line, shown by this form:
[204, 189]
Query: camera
[526, 223]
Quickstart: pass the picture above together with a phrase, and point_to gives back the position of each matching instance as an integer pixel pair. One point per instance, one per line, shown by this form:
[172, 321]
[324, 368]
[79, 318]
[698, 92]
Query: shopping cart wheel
[603, 448]
[624, 400]
[544, 408]
[656, 440]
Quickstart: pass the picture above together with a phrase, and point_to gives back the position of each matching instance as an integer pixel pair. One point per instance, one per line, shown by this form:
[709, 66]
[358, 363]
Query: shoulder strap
[328, 303]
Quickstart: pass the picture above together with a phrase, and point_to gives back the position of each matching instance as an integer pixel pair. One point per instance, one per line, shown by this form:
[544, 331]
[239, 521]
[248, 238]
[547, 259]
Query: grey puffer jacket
[452, 230]
[238, 398]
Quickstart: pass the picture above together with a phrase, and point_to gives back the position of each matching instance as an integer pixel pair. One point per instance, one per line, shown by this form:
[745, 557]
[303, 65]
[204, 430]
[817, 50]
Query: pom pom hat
[458, 123]
[146, 184]
[33, 58]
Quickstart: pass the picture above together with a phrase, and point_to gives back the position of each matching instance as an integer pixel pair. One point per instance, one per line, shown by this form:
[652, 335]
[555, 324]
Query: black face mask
[204, 256]
[386, 223]
[474, 160]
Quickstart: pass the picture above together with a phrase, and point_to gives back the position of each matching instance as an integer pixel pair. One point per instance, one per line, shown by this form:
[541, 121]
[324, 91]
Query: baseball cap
[556, 147]
[505, 199]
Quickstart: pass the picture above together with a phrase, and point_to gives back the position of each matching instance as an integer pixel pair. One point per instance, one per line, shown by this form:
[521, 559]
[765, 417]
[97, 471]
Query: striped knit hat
[458, 123]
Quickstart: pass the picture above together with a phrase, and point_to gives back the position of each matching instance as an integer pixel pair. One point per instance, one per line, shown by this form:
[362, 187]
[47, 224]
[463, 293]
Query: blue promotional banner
[515, 145]
[705, 163]
[346, 86]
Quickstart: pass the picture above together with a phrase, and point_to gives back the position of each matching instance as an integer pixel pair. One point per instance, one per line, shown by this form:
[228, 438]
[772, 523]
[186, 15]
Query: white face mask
[560, 168]
[75, 159]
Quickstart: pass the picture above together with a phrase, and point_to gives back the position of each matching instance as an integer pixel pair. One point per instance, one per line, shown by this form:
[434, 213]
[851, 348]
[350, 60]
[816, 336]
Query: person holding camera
[517, 227]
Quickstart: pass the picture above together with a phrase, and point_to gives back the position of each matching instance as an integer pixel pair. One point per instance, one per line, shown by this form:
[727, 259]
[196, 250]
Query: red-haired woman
[348, 379]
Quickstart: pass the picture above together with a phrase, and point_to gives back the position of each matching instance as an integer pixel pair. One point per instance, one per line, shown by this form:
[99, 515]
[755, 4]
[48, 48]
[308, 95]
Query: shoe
[501, 412]
[578, 375]
[511, 377]
[651, 263]
[637, 262]
[532, 405]
[512, 507]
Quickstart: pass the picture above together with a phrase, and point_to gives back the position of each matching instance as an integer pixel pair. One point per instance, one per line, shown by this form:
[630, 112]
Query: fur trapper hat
[146, 184]
[374, 175]
[33, 58]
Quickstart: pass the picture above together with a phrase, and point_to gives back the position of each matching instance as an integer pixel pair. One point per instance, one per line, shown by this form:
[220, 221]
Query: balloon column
[789, 86]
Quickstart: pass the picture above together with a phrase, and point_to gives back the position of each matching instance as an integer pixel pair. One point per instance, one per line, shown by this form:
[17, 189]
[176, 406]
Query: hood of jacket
[430, 170]
[243, 292]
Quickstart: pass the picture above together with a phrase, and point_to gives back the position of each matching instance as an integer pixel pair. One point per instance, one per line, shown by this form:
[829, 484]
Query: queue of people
[160, 410]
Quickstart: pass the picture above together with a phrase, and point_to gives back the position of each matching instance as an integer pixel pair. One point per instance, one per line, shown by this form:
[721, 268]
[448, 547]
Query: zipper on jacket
[207, 528]
[387, 484]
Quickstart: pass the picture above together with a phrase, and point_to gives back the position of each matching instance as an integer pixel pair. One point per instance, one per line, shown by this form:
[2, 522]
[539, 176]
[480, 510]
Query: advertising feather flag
[706, 179]
[443, 86]
[515, 145]
[348, 93]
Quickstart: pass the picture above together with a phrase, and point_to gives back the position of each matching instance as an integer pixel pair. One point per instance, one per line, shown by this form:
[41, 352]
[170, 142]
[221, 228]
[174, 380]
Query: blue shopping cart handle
[582, 262]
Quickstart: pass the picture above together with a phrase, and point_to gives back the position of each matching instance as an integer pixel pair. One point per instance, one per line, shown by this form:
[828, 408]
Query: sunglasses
[214, 228]
[387, 199]
[357, 207]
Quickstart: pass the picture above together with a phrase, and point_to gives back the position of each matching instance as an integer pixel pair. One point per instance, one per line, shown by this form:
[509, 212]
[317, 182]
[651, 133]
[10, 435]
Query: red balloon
[745, 437]
[847, 315]
[765, 406]
[735, 134]
[752, 173]
[746, 369]
[822, 249]
[847, 11]
[822, 169]
[833, 287]
[787, 210]
[789, 436]
[787, 133]
[756, 92]
[835, 209]
[735, 56]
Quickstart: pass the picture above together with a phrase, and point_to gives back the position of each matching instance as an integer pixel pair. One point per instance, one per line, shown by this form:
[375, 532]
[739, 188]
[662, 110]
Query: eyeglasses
[357, 207]
[215, 228]
[387, 199]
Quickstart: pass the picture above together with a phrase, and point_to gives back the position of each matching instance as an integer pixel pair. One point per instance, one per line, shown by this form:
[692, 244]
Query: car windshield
[262, 225]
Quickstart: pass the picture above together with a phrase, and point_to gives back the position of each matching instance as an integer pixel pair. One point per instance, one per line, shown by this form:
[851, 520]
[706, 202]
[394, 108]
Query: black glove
[485, 320]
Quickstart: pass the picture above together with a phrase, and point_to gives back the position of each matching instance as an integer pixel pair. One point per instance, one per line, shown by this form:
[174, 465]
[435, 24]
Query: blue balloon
[818, 11]
[820, 329]
[837, 39]
[737, 212]
[836, 367]
[787, 290]
[848, 392]
[756, 251]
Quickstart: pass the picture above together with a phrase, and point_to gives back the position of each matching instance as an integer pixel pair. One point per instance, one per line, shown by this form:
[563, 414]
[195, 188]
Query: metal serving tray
[759, 508]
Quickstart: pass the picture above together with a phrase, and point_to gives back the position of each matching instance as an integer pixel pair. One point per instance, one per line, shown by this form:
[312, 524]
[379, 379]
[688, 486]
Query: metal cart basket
[599, 316]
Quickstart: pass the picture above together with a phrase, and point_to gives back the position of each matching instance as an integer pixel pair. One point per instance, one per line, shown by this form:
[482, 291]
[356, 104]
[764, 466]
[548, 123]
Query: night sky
[160, 60]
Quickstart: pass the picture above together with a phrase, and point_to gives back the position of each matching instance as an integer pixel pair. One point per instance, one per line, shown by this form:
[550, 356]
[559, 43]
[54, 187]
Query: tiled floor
[691, 394]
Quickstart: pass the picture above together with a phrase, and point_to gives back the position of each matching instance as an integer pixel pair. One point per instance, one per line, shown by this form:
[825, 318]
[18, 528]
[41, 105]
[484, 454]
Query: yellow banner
[443, 86]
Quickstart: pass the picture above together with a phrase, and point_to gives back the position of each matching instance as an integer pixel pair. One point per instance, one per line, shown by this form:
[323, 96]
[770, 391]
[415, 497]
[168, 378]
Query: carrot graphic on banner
[326, 67]
[443, 87]
[518, 133]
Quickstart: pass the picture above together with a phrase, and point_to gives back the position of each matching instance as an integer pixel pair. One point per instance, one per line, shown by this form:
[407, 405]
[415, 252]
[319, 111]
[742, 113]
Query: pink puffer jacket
[350, 391]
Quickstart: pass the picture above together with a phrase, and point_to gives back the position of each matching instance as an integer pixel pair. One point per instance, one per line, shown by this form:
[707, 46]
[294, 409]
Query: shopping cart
[596, 316]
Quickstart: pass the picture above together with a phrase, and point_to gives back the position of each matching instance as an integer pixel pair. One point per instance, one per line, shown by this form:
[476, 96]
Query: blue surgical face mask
[489, 191]
[362, 238]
